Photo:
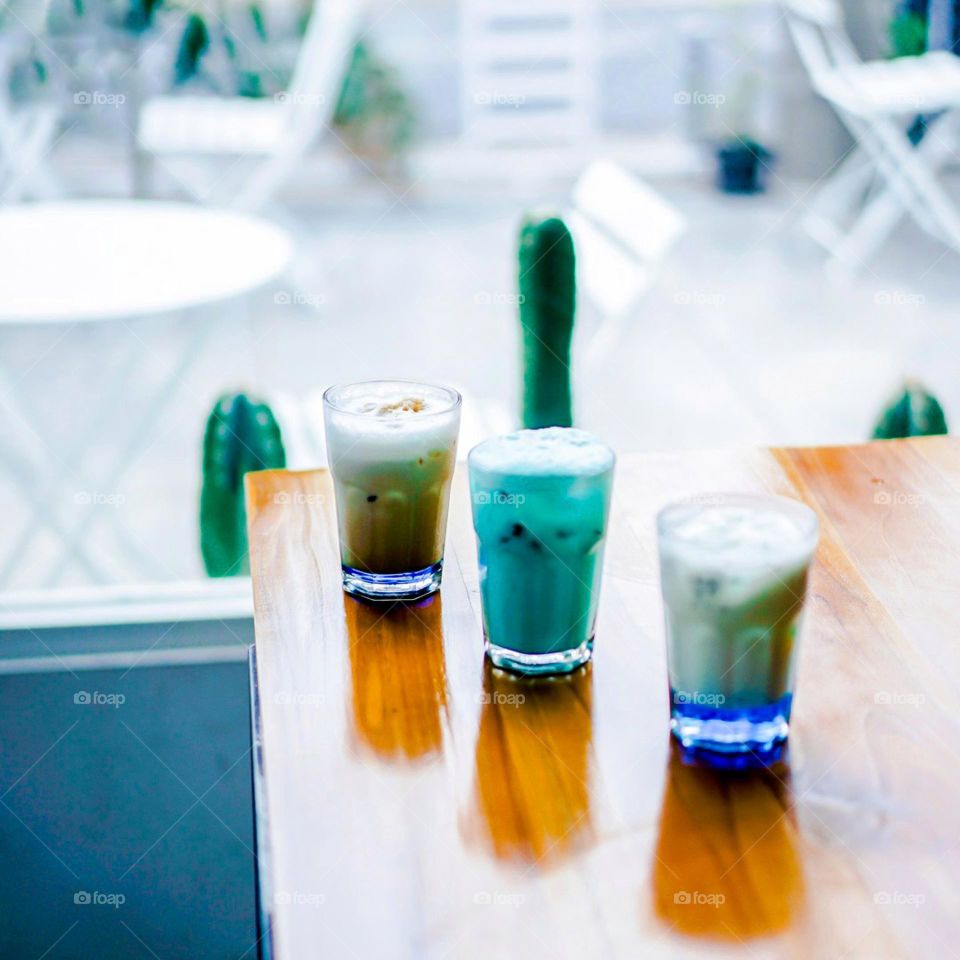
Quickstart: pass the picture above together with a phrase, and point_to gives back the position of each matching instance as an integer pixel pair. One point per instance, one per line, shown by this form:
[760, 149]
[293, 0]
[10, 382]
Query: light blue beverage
[541, 499]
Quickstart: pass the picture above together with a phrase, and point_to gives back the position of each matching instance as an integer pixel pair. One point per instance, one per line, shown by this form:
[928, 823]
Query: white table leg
[17, 465]
[61, 466]
[156, 406]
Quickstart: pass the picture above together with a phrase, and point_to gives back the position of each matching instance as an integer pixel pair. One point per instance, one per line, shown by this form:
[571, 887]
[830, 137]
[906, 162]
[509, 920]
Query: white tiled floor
[742, 340]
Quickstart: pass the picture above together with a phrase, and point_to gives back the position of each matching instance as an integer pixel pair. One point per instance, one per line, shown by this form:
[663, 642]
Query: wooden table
[414, 803]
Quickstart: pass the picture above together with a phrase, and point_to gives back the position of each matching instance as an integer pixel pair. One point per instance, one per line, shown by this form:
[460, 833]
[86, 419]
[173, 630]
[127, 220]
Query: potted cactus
[374, 115]
[548, 299]
[741, 165]
[914, 412]
[241, 435]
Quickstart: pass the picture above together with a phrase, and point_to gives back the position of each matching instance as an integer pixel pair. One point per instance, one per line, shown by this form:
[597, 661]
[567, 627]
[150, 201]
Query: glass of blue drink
[392, 447]
[541, 499]
[733, 570]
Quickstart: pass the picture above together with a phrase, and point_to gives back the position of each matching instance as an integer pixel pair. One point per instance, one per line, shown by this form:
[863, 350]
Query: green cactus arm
[241, 435]
[548, 296]
[914, 413]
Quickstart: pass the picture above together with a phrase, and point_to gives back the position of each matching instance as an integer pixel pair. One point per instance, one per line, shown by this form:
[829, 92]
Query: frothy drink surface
[551, 451]
[393, 406]
[734, 536]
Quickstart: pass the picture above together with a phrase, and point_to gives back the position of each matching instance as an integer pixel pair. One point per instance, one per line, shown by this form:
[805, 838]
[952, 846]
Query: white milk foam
[390, 421]
[735, 536]
[560, 451]
[388, 403]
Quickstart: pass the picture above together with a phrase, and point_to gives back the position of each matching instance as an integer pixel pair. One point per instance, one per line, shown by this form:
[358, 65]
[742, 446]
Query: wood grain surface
[416, 803]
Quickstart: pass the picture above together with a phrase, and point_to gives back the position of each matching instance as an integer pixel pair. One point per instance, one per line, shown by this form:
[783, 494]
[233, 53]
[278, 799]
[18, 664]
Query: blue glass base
[538, 664]
[393, 586]
[754, 760]
[730, 730]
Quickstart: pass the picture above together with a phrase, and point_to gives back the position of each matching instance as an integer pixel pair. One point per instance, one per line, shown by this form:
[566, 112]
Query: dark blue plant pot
[741, 168]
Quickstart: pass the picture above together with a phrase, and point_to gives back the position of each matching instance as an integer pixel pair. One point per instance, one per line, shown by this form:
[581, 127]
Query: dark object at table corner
[260, 866]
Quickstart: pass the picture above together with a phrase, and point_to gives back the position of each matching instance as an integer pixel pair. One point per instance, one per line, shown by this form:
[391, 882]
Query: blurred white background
[404, 241]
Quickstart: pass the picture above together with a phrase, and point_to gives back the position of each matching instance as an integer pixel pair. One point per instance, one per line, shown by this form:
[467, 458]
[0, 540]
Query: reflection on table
[726, 862]
[398, 677]
[532, 776]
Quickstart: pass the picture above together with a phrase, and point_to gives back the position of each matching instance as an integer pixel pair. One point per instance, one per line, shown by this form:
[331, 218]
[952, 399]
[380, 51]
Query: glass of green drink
[541, 499]
[733, 570]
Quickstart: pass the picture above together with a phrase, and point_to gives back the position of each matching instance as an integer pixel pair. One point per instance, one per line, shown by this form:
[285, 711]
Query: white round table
[97, 260]
[108, 260]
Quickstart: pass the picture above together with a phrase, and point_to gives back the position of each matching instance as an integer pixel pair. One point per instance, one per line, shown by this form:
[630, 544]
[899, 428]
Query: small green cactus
[548, 297]
[914, 413]
[242, 435]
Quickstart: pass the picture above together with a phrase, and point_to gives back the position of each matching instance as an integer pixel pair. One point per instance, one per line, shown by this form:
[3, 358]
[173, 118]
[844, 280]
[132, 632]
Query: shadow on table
[726, 863]
[531, 789]
[398, 677]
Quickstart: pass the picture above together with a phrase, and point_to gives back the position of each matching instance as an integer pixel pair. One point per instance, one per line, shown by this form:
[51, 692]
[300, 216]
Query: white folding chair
[885, 175]
[27, 135]
[28, 131]
[278, 132]
[622, 231]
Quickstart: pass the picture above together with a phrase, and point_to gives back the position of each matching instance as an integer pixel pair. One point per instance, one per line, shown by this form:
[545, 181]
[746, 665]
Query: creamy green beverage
[392, 447]
[541, 499]
[733, 571]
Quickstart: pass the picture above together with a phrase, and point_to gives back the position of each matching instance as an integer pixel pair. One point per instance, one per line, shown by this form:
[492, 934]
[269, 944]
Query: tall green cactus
[914, 413]
[548, 297]
[242, 435]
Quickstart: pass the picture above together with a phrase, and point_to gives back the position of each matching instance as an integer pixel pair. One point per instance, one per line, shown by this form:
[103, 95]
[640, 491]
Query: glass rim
[800, 513]
[456, 400]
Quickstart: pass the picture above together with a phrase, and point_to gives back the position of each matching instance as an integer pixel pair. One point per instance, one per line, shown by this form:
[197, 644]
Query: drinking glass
[733, 571]
[392, 446]
[541, 499]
